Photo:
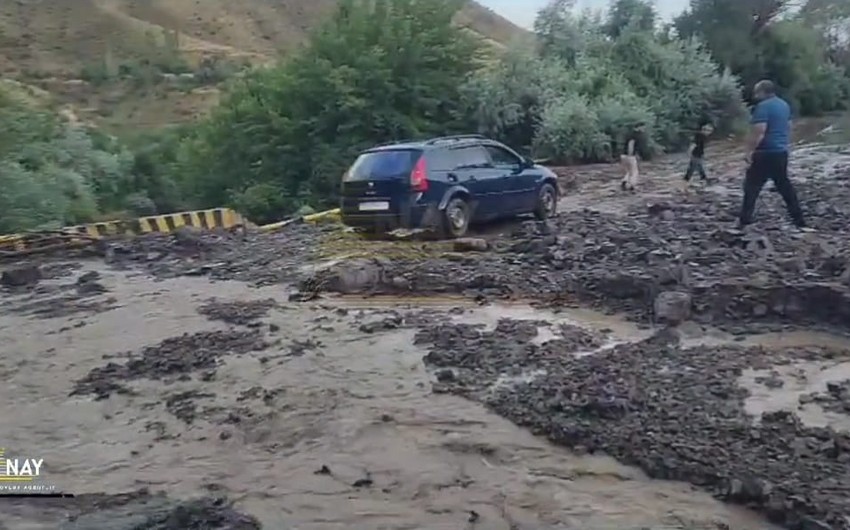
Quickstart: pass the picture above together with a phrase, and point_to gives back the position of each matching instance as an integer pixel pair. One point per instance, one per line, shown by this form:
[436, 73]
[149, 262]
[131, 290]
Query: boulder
[658, 209]
[353, 276]
[189, 236]
[21, 276]
[672, 307]
[471, 244]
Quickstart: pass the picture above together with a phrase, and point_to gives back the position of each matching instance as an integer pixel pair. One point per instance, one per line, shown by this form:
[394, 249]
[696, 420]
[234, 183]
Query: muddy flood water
[333, 425]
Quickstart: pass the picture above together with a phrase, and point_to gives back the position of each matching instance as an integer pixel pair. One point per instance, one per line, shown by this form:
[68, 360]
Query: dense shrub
[570, 131]
[505, 100]
[801, 51]
[53, 173]
[579, 105]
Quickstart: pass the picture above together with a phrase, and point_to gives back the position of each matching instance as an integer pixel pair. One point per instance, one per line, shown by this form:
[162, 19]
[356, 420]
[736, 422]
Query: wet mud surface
[255, 258]
[54, 297]
[620, 252]
[678, 413]
[174, 358]
[140, 510]
[237, 313]
[346, 432]
[836, 398]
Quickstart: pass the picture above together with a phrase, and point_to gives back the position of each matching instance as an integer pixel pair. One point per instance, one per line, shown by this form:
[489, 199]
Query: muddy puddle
[802, 388]
[345, 432]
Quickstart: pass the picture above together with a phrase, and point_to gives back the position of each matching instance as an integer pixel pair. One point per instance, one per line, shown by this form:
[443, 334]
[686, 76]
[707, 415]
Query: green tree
[760, 39]
[375, 71]
[639, 14]
[155, 169]
[576, 98]
[558, 31]
[53, 173]
[831, 19]
[505, 99]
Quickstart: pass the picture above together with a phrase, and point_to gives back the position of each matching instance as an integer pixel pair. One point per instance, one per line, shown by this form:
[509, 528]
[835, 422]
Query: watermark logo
[23, 476]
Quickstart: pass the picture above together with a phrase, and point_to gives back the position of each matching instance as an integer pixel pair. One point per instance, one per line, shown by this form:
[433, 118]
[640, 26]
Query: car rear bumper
[410, 217]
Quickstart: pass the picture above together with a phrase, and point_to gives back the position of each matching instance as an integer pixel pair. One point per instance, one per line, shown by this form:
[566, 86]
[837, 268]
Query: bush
[263, 203]
[155, 165]
[53, 174]
[617, 116]
[681, 85]
[795, 50]
[505, 100]
[213, 70]
[569, 131]
[96, 73]
[140, 205]
[827, 89]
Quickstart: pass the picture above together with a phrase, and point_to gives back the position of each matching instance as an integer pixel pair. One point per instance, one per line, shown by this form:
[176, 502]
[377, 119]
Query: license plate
[374, 206]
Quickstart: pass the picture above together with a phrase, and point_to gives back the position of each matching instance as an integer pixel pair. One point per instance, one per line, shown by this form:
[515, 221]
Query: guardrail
[205, 219]
[80, 235]
[13, 245]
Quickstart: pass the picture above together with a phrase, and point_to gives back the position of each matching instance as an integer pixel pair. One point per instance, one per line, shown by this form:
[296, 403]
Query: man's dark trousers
[771, 165]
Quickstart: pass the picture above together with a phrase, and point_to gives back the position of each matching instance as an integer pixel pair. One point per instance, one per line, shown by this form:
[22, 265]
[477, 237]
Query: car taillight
[419, 176]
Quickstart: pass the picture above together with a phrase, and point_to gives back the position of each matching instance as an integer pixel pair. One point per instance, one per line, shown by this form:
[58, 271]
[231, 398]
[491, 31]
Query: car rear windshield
[378, 165]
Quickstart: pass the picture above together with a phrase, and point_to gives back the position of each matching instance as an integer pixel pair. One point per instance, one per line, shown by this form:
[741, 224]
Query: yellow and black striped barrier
[12, 243]
[84, 234]
[203, 219]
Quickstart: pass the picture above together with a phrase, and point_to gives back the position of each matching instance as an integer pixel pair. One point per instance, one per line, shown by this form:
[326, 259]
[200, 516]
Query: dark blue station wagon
[443, 185]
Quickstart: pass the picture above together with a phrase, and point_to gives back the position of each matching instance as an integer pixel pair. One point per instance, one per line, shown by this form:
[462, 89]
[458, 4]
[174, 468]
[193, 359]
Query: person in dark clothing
[767, 154]
[697, 151]
[635, 144]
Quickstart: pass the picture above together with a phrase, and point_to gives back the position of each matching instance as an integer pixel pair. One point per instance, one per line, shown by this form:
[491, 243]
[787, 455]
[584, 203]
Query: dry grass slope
[51, 41]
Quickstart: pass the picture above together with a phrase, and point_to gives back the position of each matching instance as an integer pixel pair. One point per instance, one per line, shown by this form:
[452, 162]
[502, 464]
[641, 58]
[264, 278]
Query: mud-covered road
[311, 379]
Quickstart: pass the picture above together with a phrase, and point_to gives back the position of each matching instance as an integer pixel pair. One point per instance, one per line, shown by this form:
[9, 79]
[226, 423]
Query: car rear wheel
[547, 202]
[456, 217]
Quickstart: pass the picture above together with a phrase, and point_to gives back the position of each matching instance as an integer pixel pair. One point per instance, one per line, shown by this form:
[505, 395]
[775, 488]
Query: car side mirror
[527, 163]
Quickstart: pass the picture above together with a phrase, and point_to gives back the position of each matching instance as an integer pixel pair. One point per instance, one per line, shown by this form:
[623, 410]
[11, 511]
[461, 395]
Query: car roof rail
[455, 138]
[394, 142]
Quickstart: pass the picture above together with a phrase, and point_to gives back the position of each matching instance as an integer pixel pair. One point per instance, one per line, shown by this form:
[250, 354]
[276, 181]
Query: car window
[383, 164]
[472, 156]
[501, 157]
[442, 160]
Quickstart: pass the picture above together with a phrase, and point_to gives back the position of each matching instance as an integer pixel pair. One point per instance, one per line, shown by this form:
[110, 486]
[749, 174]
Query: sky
[522, 12]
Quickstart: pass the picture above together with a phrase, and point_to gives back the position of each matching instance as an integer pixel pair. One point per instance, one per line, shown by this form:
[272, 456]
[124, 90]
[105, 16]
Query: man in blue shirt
[767, 154]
